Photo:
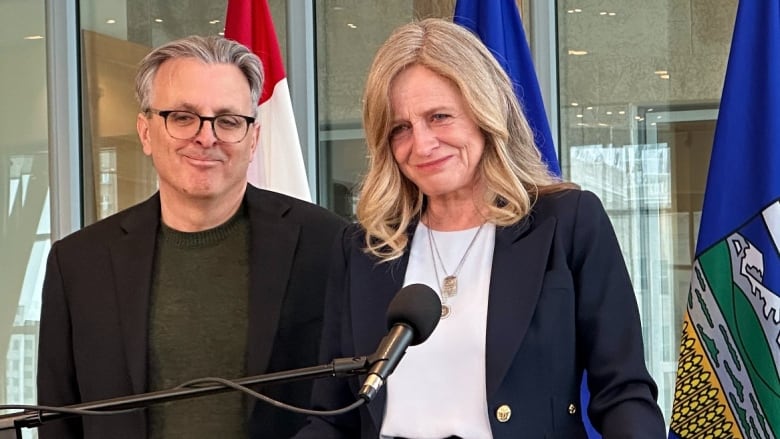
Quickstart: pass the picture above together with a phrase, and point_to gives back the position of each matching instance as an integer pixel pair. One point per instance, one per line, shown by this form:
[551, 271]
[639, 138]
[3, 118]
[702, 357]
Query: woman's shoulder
[567, 203]
[565, 197]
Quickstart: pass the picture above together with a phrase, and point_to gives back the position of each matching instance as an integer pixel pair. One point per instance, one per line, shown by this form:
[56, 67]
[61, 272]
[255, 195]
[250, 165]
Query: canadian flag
[278, 163]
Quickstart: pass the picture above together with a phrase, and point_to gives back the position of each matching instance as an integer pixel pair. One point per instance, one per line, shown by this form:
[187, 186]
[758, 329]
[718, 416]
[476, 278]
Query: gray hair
[211, 50]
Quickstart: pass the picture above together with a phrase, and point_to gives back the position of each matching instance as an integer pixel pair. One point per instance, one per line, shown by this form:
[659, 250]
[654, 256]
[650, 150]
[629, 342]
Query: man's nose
[206, 135]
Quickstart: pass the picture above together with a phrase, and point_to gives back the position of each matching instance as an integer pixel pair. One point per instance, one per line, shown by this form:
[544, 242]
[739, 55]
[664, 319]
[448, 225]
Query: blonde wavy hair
[511, 166]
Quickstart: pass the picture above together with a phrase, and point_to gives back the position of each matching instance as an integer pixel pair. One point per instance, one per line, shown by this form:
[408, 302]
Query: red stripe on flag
[250, 23]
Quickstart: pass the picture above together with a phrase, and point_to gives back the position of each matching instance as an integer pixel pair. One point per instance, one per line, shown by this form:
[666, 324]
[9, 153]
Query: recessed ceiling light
[33, 37]
[158, 20]
[213, 21]
[110, 21]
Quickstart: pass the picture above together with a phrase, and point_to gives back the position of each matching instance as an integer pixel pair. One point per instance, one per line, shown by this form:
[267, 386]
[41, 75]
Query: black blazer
[94, 319]
[560, 302]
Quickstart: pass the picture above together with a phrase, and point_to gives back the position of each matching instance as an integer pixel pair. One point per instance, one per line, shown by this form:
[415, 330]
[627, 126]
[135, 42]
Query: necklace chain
[448, 288]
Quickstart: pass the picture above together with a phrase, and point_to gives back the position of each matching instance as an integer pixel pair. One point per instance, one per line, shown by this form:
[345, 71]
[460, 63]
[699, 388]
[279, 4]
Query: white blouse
[438, 388]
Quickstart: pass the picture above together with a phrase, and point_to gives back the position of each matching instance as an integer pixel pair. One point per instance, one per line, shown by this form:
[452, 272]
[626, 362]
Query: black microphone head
[418, 306]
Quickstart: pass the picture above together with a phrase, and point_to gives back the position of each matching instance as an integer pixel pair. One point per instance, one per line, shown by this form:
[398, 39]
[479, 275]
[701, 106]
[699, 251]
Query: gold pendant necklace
[449, 287]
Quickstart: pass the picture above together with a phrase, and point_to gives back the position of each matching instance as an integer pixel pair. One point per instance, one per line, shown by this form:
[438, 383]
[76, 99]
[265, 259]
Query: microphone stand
[34, 418]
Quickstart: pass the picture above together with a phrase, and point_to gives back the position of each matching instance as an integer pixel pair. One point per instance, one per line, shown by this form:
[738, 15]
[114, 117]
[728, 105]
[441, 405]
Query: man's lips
[201, 160]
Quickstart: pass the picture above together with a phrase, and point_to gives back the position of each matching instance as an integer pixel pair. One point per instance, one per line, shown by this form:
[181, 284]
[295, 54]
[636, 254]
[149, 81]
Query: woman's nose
[424, 139]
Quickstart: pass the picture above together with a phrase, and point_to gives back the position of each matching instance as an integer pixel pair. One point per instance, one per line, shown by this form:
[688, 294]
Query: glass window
[24, 192]
[639, 87]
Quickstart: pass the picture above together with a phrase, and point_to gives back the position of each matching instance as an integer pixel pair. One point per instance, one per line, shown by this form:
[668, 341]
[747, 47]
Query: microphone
[411, 318]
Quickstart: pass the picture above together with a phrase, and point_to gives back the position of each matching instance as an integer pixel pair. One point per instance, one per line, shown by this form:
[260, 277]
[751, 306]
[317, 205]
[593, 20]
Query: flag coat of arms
[728, 375]
[278, 162]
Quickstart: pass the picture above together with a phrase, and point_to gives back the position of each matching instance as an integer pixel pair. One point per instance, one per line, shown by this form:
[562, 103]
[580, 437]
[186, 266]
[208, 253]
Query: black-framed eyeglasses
[185, 125]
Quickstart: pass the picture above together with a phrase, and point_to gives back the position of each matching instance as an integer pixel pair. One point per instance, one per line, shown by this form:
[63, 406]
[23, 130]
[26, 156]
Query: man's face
[203, 167]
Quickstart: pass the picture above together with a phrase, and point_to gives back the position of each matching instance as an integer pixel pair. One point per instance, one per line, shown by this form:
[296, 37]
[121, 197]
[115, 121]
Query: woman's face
[434, 137]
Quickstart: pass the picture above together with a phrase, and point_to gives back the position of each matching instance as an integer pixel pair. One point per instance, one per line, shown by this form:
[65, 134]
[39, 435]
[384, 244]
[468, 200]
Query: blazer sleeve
[57, 383]
[623, 395]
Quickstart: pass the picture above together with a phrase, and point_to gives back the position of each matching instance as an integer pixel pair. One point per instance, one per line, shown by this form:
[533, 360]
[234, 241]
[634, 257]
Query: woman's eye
[396, 130]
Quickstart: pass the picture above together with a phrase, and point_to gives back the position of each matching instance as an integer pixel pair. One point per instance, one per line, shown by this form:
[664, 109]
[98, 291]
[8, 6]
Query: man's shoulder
[289, 208]
[115, 225]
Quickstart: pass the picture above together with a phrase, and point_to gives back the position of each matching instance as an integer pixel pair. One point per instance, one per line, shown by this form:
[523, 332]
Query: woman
[530, 275]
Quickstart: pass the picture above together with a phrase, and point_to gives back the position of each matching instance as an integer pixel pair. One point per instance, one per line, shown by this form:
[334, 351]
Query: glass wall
[24, 193]
[639, 86]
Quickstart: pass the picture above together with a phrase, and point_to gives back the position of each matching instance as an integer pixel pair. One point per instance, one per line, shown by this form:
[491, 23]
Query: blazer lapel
[132, 258]
[519, 262]
[272, 250]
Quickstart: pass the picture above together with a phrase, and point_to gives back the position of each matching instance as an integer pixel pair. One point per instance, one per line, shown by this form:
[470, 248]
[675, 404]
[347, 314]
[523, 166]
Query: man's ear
[142, 126]
[255, 132]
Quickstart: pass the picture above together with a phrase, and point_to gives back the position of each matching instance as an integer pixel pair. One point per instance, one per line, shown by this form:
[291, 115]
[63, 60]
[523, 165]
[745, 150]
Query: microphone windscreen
[418, 306]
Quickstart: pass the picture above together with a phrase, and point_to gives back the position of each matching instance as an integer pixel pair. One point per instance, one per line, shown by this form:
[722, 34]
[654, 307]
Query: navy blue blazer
[94, 318]
[560, 302]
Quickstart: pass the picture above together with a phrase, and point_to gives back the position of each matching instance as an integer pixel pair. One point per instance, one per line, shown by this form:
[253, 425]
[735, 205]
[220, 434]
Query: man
[209, 277]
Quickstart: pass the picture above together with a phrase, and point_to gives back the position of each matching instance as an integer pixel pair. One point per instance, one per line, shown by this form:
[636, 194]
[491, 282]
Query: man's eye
[182, 118]
[230, 122]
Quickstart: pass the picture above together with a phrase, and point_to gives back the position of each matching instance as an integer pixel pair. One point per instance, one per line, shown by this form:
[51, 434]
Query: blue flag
[498, 25]
[497, 22]
[728, 375]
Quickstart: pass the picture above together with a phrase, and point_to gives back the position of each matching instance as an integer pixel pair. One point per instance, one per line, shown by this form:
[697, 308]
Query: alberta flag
[728, 377]
[278, 162]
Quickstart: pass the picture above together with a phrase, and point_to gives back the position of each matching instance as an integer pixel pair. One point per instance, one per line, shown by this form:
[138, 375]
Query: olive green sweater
[198, 327]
